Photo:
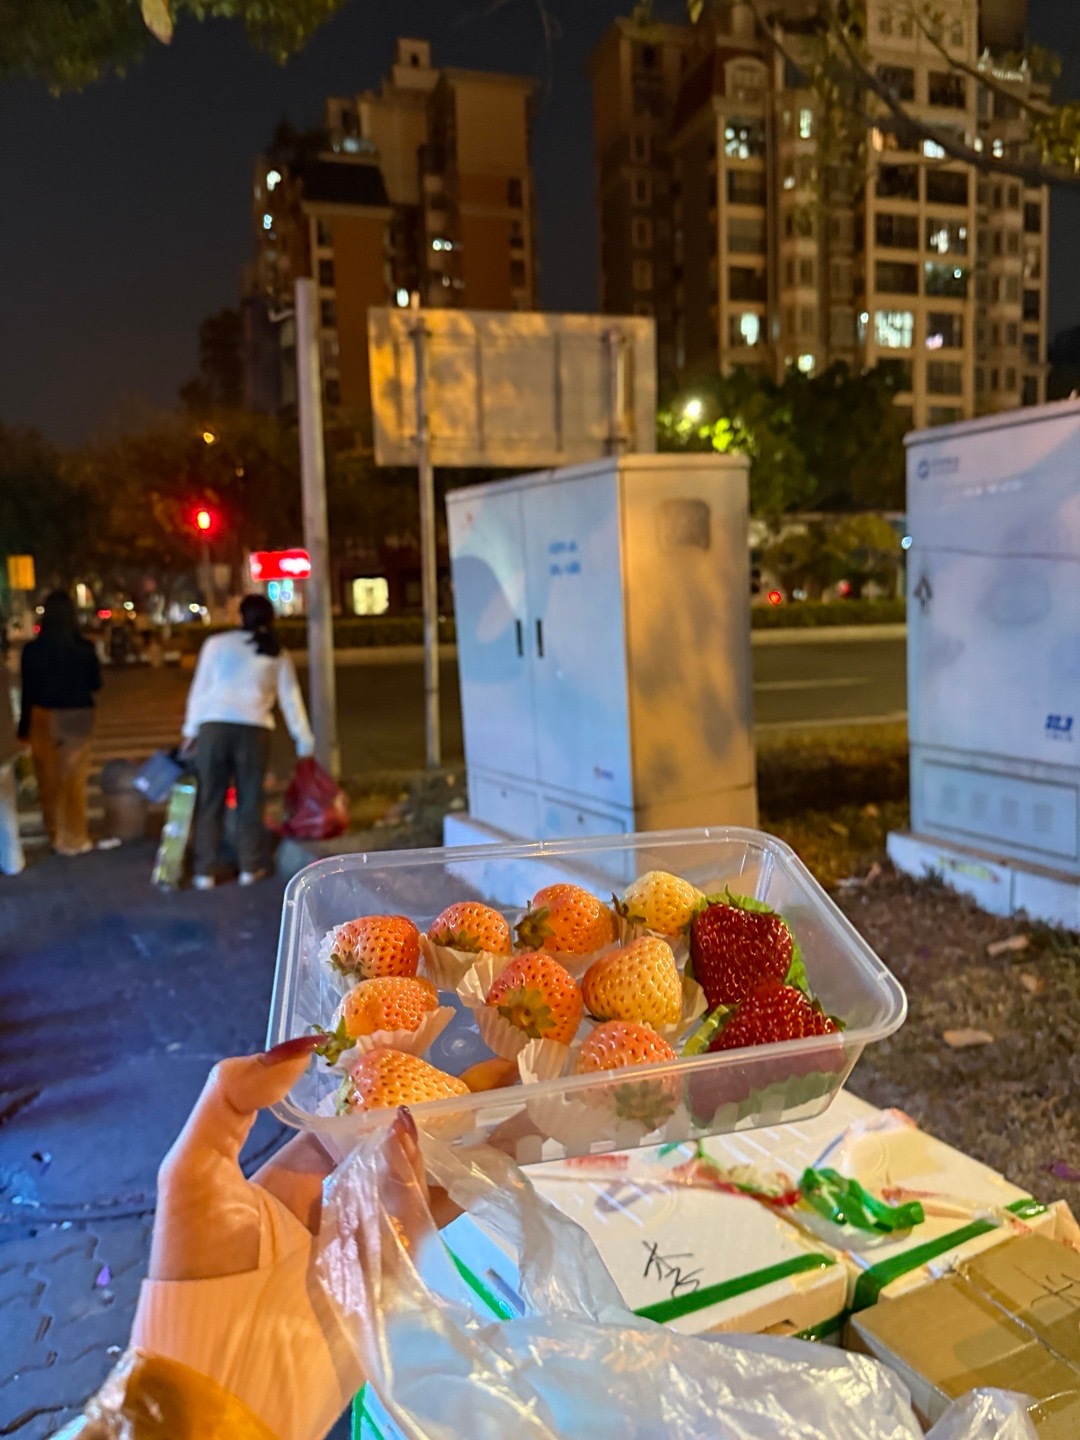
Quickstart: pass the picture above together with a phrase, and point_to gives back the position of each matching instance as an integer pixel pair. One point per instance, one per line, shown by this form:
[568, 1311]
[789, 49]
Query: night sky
[125, 210]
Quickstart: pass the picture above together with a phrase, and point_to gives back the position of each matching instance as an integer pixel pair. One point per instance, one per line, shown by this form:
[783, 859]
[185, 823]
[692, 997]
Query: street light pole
[429, 588]
[320, 621]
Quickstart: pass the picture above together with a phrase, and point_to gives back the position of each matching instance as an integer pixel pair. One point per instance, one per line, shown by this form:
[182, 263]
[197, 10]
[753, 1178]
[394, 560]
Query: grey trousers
[226, 755]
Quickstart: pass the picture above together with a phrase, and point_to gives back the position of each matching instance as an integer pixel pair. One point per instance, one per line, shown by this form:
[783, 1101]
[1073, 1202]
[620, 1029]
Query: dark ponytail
[257, 617]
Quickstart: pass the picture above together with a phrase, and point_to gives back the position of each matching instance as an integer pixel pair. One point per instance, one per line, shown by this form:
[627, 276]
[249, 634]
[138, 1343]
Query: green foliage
[68, 44]
[831, 441]
[808, 615]
[856, 548]
[146, 485]
[41, 512]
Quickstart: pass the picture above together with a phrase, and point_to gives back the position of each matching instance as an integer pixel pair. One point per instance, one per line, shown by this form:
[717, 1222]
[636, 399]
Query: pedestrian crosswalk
[128, 727]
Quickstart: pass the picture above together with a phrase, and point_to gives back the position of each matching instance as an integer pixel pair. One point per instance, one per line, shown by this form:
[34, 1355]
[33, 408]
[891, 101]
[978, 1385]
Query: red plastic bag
[316, 807]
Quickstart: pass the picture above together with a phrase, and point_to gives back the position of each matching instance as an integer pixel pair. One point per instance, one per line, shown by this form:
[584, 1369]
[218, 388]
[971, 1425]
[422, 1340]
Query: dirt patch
[1011, 1101]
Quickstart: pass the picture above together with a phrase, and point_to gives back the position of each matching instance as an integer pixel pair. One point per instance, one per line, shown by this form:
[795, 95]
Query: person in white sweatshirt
[230, 716]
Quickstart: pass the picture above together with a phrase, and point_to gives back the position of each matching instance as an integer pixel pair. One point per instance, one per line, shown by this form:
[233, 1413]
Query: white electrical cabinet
[994, 634]
[604, 646]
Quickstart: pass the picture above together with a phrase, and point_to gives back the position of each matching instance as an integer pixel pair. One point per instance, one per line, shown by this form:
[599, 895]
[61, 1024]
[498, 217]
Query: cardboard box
[969, 1207]
[1009, 1318]
[701, 1260]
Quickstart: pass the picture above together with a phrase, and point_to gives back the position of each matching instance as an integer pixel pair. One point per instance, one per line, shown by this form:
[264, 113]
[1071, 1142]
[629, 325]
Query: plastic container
[674, 1101]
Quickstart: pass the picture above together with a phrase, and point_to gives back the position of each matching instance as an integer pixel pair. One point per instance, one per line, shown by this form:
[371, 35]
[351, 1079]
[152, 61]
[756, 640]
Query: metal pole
[615, 437]
[320, 620]
[428, 560]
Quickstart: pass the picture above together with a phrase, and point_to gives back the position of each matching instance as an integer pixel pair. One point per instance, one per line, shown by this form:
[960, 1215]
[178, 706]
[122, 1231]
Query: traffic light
[205, 520]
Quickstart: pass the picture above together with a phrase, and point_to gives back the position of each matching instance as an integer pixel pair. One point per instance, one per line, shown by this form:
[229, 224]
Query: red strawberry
[539, 996]
[773, 1012]
[735, 948]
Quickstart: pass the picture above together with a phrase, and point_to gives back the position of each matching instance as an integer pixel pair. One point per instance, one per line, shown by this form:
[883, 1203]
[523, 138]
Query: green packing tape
[827, 1327]
[497, 1307]
[679, 1305]
[845, 1202]
[360, 1413]
[871, 1283]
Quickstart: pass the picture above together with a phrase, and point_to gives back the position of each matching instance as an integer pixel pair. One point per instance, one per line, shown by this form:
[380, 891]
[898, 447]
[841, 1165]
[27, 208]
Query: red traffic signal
[205, 520]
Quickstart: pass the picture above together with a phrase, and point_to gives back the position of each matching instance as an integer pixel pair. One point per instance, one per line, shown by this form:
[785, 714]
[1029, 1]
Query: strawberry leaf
[334, 1043]
[710, 1025]
[532, 929]
[747, 902]
[796, 974]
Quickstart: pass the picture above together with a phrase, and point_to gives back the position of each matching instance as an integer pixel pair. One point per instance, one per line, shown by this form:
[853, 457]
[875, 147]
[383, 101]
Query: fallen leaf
[1006, 947]
[1062, 1171]
[962, 1039]
[838, 828]
[1033, 984]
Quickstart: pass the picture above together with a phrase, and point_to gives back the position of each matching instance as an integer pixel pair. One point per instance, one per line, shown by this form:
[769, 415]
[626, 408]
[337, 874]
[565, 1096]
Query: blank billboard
[513, 388]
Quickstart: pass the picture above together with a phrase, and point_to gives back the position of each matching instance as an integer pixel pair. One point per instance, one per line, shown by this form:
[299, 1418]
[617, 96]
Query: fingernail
[290, 1049]
[408, 1124]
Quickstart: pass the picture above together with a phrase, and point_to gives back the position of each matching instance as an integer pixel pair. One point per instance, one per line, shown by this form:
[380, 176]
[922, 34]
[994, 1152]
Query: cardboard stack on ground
[703, 1260]
[1008, 1318]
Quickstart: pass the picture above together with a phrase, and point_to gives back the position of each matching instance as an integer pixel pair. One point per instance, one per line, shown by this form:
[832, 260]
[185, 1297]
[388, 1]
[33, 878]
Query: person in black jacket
[60, 676]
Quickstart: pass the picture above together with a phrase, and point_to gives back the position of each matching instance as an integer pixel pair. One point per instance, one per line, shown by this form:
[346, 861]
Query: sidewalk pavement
[115, 1001]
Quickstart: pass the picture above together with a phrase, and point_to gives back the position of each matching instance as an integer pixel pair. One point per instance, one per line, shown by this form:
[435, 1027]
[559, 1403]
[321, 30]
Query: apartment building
[423, 187]
[637, 71]
[891, 250]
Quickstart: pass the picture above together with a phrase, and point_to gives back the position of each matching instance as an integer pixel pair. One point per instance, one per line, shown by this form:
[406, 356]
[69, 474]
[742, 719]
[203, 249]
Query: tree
[825, 41]
[147, 484]
[831, 442]
[42, 513]
[219, 384]
[70, 43]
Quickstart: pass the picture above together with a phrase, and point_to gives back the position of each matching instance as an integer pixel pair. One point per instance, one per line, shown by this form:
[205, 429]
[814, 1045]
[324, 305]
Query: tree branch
[1032, 173]
[997, 87]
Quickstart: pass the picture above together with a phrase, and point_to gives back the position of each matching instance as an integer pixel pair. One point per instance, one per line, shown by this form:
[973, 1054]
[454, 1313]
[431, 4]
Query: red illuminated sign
[280, 565]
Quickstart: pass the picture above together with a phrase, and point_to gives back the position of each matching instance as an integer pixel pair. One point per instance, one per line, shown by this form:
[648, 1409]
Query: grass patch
[834, 794]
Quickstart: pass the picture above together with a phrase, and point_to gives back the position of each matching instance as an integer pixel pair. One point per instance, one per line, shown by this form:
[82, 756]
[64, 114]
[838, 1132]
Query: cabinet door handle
[540, 638]
[519, 631]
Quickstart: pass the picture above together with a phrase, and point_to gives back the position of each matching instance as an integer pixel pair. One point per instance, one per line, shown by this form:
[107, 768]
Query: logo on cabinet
[939, 465]
[1059, 727]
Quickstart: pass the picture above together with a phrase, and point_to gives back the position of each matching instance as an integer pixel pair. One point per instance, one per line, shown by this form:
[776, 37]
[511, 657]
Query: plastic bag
[316, 807]
[579, 1364]
[157, 775]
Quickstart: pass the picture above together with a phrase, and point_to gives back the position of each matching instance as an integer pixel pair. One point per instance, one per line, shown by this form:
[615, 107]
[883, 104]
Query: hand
[209, 1216]
[239, 1303]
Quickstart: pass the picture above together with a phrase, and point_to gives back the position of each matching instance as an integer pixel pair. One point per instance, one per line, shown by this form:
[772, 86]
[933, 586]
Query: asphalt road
[807, 683]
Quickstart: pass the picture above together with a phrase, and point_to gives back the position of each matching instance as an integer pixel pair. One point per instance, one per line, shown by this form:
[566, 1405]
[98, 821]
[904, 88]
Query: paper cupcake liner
[581, 1123]
[447, 968]
[694, 1005]
[412, 1042]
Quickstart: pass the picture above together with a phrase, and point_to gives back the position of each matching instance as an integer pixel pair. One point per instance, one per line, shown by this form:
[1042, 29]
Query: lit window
[806, 364]
[932, 150]
[999, 148]
[403, 297]
[806, 123]
[268, 221]
[894, 329]
[273, 179]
